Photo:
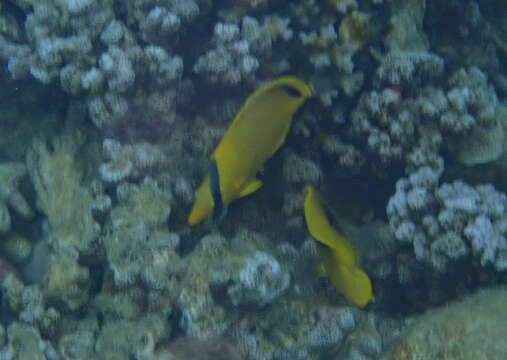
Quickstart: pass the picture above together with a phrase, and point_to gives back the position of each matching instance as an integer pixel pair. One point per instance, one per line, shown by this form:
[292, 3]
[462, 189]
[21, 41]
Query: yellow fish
[340, 260]
[258, 130]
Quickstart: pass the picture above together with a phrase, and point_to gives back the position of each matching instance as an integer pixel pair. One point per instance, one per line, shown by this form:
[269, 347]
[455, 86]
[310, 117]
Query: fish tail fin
[356, 286]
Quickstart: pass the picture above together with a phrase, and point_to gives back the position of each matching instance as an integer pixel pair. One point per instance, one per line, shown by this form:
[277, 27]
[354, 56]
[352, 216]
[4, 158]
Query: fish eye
[292, 91]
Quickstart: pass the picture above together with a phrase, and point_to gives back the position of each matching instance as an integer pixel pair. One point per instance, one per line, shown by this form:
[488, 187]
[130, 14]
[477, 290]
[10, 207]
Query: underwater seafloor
[110, 110]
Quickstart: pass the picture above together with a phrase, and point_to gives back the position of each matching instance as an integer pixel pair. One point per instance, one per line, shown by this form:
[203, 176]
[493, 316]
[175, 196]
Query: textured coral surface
[468, 329]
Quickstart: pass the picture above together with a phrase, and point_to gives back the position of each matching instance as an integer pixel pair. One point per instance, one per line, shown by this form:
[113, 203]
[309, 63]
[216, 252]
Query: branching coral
[94, 54]
[234, 57]
[128, 161]
[25, 342]
[402, 122]
[69, 202]
[137, 237]
[62, 194]
[449, 222]
[31, 303]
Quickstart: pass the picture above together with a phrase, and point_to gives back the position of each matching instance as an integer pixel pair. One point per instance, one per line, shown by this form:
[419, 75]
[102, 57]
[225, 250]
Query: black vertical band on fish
[292, 91]
[216, 193]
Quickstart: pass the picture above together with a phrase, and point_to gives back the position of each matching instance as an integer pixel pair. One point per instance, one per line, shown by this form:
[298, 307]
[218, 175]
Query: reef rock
[473, 328]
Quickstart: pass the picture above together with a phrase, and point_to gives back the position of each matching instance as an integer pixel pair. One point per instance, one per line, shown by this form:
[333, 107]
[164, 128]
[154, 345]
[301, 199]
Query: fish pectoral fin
[251, 187]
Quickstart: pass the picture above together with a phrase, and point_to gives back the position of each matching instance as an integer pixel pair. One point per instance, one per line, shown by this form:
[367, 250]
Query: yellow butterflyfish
[258, 130]
[340, 260]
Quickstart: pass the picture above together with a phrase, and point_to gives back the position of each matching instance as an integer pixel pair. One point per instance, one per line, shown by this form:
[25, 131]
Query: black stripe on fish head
[291, 91]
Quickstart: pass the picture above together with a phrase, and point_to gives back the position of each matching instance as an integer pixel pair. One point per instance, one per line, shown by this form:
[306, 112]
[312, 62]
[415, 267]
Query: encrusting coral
[467, 329]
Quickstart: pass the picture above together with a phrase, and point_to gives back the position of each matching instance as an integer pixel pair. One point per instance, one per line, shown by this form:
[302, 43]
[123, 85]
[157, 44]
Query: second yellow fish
[256, 133]
[340, 259]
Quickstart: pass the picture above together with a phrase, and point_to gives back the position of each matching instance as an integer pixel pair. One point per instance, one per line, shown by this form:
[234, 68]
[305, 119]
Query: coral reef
[402, 122]
[24, 342]
[233, 59]
[16, 248]
[138, 246]
[68, 203]
[463, 330]
[191, 348]
[448, 222]
[69, 206]
[10, 197]
[128, 161]
[406, 26]
[261, 281]
[32, 305]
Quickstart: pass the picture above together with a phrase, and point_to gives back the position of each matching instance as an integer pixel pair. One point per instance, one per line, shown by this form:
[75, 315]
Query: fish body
[256, 133]
[340, 259]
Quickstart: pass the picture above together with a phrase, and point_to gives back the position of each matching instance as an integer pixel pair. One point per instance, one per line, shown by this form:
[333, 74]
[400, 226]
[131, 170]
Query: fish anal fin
[250, 188]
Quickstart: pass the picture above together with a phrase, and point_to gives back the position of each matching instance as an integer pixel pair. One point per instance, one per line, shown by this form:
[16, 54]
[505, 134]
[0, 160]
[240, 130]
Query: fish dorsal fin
[316, 219]
[287, 91]
[284, 82]
[250, 188]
